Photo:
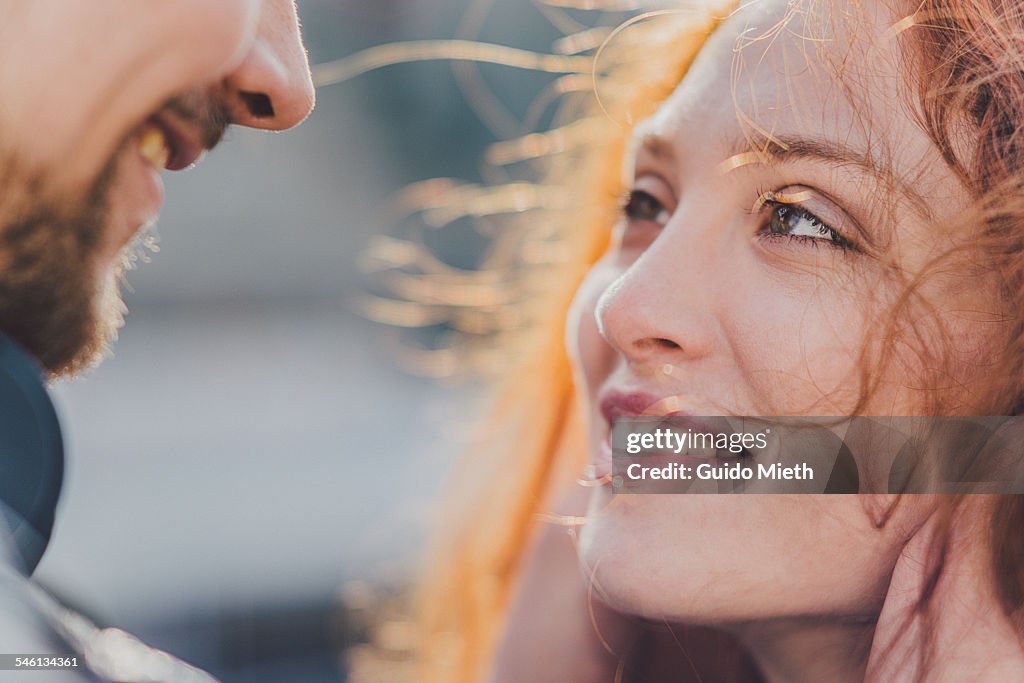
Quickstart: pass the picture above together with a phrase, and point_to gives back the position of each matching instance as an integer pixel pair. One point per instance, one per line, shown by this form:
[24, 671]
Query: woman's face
[777, 211]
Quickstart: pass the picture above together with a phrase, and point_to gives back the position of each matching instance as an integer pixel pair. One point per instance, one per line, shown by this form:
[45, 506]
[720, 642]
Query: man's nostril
[258, 104]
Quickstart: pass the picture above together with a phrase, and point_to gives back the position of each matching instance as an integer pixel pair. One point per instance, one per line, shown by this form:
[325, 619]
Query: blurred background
[237, 491]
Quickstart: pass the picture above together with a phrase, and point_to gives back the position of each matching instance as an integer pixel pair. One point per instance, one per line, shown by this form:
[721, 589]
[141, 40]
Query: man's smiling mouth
[169, 142]
[152, 145]
[174, 138]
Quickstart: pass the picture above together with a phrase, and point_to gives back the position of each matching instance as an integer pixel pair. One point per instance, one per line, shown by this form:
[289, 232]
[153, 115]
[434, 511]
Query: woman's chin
[720, 559]
[634, 567]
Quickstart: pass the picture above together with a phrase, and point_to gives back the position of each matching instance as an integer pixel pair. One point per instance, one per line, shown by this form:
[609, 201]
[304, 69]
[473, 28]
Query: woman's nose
[659, 310]
[272, 89]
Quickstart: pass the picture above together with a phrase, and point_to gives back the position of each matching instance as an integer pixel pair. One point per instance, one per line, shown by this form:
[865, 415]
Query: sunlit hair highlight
[549, 220]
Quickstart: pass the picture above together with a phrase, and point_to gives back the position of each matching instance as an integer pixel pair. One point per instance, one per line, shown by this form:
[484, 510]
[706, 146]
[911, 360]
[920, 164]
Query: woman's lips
[616, 404]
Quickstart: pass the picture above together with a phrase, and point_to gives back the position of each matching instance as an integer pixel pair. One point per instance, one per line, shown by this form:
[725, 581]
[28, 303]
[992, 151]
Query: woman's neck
[797, 650]
[962, 633]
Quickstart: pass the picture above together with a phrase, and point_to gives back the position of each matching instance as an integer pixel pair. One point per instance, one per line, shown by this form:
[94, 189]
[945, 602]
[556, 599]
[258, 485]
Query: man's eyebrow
[780, 148]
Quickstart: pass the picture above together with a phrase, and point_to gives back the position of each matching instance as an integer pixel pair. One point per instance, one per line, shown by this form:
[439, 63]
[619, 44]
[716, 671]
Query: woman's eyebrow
[781, 148]
[653, 142]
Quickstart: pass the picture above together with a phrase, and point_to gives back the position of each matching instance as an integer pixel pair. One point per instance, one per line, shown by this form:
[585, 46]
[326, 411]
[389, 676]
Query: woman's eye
[643, 206]
[795, 221]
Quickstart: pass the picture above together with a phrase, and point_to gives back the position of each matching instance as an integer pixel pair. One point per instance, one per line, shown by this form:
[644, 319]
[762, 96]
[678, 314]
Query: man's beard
[56, 299]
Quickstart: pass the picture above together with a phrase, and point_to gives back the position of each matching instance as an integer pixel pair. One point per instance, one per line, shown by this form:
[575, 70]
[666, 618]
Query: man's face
[101, 96]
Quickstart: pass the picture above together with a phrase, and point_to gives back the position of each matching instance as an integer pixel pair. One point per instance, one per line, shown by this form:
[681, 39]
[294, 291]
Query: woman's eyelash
[785, 217]
[784, 211]
[639, 205]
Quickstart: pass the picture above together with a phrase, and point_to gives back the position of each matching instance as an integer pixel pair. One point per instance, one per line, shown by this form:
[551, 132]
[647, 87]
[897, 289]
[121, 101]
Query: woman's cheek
[592, 357]
[799, 354]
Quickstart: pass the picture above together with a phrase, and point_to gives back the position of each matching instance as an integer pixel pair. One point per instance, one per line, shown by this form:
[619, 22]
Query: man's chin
[88, 335]
[100, 333]
[66, 314]
[96, 334]
[60, 291]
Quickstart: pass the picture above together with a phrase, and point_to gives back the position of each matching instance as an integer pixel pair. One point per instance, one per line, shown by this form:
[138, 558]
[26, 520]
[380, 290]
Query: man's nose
[272, 88]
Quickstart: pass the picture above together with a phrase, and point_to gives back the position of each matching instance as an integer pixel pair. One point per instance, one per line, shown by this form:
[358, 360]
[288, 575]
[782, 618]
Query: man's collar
[31, 459]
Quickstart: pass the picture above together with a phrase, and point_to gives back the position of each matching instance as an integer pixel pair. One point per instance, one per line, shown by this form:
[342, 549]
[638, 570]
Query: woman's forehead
[776, 66]
[830, 73]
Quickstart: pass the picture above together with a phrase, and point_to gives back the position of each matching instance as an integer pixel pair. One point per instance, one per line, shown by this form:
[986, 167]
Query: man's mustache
[206, 111]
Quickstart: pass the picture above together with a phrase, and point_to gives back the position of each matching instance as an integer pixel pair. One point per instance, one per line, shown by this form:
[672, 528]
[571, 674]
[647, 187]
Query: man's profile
[102, 96]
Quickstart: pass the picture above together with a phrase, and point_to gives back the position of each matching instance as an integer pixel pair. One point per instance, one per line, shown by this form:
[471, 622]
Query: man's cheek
[73, 96]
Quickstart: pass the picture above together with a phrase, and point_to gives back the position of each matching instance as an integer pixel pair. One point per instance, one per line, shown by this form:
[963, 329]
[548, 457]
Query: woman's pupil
[643, 206]
[785, 220]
